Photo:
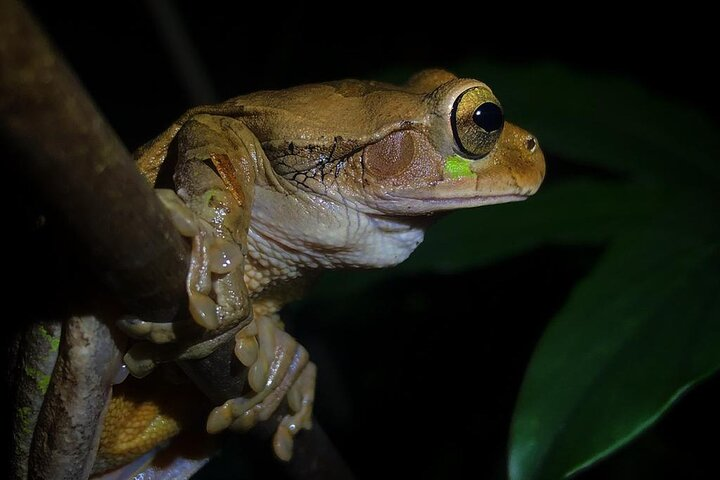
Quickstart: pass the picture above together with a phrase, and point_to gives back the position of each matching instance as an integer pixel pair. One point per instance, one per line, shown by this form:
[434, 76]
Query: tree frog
[275, 185]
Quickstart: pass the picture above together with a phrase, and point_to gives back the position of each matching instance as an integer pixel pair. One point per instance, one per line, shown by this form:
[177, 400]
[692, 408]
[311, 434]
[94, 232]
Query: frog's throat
[284, 240]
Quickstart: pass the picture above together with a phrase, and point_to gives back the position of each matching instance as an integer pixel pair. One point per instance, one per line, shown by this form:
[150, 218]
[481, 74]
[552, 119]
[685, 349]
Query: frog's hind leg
[279, 368]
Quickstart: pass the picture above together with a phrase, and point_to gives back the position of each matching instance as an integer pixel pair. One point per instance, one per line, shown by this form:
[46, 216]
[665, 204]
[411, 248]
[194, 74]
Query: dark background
[391, 396]
[119, 49]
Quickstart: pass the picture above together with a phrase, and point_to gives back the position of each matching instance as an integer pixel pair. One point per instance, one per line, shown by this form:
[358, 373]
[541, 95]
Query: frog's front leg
[214, 179]
[218, 159]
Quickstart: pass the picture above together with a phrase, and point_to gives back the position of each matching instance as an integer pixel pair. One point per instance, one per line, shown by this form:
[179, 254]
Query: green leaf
[636, 334]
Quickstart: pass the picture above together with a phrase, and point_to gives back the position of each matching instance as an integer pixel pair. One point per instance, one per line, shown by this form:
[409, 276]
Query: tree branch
[79, 164]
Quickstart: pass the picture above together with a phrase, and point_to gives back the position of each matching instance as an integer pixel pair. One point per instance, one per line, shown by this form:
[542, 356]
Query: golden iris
[477, 121]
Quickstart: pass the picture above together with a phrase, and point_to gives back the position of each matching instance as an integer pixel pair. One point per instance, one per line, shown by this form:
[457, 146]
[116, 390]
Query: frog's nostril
[531, 144]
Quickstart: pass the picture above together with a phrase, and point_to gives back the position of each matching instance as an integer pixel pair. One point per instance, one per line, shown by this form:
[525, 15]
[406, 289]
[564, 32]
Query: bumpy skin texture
[274, 185]
[141, 416]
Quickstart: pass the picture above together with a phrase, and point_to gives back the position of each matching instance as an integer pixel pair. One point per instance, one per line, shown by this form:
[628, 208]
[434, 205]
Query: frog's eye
[477, 121]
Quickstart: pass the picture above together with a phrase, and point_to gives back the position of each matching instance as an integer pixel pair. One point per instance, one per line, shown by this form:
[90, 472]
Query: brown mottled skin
[333, 175]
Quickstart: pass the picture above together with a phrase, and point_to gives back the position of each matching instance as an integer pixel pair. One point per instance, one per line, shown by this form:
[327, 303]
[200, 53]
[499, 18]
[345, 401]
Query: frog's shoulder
[150, 156]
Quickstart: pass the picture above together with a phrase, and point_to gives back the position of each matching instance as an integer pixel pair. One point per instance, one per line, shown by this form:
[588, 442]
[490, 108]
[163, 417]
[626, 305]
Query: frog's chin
[428, 204]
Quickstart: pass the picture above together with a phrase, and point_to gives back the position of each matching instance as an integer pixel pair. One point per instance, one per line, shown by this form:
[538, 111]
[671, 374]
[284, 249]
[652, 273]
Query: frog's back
[318, 113]
[333, 116]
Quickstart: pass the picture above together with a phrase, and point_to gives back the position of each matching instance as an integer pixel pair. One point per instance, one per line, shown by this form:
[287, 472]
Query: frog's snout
[537, 158]
[519, 163]
[531, 144]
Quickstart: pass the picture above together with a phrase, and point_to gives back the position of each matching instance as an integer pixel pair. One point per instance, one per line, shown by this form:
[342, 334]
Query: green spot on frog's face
[457, 166]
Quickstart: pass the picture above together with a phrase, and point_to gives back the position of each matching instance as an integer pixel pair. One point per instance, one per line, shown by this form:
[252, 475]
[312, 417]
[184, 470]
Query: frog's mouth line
[485, 199]
[426, 205]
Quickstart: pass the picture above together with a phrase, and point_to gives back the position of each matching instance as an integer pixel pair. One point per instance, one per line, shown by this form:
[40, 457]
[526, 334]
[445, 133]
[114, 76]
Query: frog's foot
[165, 332]
[278, 369]
[211, 256]
[300, 399]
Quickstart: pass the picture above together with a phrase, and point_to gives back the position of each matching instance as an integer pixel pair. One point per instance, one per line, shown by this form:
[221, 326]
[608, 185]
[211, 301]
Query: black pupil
[489, 117]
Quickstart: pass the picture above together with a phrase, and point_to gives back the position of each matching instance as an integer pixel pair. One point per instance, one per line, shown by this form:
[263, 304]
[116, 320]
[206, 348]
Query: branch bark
[67, 432]
[85, 172]
[35, 351]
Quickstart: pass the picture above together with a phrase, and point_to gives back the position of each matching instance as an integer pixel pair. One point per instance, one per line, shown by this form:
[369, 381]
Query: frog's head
[364, 162]
[456, 151]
